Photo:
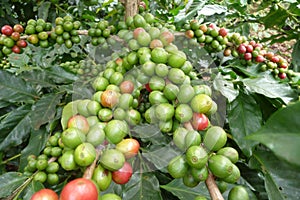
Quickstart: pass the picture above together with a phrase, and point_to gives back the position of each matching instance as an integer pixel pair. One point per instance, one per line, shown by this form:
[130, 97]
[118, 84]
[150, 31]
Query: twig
[88, 173]
[212, 187]
[10, 159]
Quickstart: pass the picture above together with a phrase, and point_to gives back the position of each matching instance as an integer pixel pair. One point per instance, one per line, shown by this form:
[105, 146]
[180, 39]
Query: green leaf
[244, 118]
[276, 17]
[250, 71]
[209, 10]
[4, 104]
[272, 189]
[33, 187]
[18, 133]
[177, 188]
[9, 182]
[161, 156]
[281, 179]
[254, 180]
[268, 86]
[295, 56]
[218, 118]
[49, 77]
[82, 90]
[68, 111]
[281, 133]
[37, 142]
[43, 10]
[44, 110]
[12, 119]
[18, 60]
[14, 89]
[59, 75]
[142, 186]
[150, 132]
[226, 88]
[190, 12]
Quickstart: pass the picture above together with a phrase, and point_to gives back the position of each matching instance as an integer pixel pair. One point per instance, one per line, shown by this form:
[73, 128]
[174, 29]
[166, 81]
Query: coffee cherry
[220, 166]
[223, 32]
[15, 36]
[7, 30]
[249, 48]
[248, 56]
[18, 28]
[242, 49]
[16, 49]
[260, 58]
[238, 192]
[21, 43]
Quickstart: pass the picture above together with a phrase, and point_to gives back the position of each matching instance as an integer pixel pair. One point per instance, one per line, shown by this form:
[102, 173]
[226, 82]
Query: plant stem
[18, 191]
[131, 8]
[10, 159]
[88, 173]
[212, 187]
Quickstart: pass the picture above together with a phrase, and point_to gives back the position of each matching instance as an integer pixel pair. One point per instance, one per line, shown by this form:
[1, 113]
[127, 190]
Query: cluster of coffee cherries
[38, 32]
[253, 52]
[215, 39]
[44, 168]
[5, 64]
[200, 157]
[10, 40]
[66, 31]
[100, 31]
[210, 36]
[86, 69]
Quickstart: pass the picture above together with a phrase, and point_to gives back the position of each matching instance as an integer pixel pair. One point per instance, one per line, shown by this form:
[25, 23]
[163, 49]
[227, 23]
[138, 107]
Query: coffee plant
[149, 100]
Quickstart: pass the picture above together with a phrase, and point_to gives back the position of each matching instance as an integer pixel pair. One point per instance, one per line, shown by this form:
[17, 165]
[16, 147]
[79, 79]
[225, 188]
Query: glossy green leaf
[211, 9]
[281, 133]
[15, 89]
[150, 132]
[281, 179]
[275, 17]
[218, 118]
[82, 90]
[37, 142]
[9, 182]
[250, 71]
[161, 156]
[43, 10]
[12, 119]
[268, 86]
[225, 87]
[4, 104]
[142, 186]
[59, 75]
[49, 77]
[188, 13]
[33, 187]
[254, 179]
[44, 110]
[18, 133]
[18, 60]
[68, 111]
[295, 56]
[244, 118]
[177, 188]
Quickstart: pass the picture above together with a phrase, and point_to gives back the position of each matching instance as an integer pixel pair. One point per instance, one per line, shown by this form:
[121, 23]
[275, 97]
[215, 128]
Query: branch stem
[212, 187]
[88, 173]
[210, 182]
